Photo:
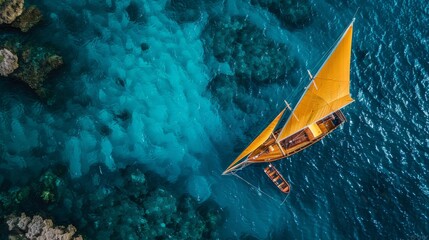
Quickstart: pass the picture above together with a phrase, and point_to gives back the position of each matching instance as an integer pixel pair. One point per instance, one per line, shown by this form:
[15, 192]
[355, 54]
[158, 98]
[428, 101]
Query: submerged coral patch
[252, 56]
[247, 61]
[291, 13]
[132, 204]
[185, 11]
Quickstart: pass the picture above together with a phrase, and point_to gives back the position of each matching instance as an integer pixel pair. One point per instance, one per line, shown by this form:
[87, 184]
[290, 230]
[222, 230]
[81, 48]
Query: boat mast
[290, 109]
[315, 76]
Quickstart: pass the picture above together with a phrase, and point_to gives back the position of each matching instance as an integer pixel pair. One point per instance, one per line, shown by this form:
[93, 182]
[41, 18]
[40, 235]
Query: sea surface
[142, 70]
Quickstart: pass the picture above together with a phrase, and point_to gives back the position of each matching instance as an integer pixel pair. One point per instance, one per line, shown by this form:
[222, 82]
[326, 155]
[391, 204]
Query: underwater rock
[160, 206]
[54, 62]
[10, 10]
[135, 181]
[137, 177]
[30, 17]
[144, 46]
[24, 227]
[35, 65]
[135, 13]
[252, 56]
[35, 69]
[291, 13]
[8, 62]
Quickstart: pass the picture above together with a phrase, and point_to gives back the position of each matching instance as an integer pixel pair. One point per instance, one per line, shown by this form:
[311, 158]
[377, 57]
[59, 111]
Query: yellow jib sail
[258, 140]
[328, 92]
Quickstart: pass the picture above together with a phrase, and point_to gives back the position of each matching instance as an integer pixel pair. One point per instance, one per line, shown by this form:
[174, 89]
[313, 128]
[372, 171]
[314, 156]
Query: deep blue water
[367, 180]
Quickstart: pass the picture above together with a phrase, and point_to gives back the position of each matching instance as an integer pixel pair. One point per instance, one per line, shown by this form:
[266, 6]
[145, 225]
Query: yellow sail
[328, 92]
[258, 140]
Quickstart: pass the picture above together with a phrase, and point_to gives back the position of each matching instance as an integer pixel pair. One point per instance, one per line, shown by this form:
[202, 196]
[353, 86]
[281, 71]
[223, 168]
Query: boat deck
[272, 151]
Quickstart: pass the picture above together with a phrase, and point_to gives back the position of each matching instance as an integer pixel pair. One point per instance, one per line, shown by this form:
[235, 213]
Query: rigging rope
[290, 189]
[258, 189]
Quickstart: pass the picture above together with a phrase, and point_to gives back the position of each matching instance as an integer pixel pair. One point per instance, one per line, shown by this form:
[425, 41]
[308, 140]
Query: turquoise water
[137, 88]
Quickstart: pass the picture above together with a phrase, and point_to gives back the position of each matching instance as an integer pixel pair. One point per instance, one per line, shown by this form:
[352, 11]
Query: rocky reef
[125, 204]
[10, 10]
[8, 62]
[291, 13]
[26, 62]
[13, 13]
[24, 227]
[35, 63]
[28, 19]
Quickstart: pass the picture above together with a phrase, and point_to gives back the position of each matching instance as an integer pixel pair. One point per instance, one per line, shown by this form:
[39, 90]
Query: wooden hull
[277, 178]
[271, 151]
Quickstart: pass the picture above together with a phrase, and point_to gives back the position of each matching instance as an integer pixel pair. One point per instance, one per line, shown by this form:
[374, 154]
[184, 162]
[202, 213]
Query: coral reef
[153, 211]
[49, 184]
[247, 60]
[251, 55]
[35, 62]
[35, 65]
[43, 192]
[15, 196]
[28, 19]
[291, 13]
[124, 204]
[8, 62]
[226, 91]
[10, 10]
[184, 11]
[24, 227]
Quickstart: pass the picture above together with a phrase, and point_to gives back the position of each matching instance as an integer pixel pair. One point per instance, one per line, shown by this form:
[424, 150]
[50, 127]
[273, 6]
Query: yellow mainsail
[329, 90]
[265, 134]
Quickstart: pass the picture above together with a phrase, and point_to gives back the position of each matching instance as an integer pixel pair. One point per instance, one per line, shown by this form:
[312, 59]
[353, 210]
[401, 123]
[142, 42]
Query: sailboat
[316, 115]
